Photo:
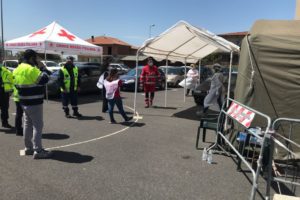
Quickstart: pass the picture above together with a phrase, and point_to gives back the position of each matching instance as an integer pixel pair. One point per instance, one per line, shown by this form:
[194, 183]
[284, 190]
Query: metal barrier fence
[247, 152]
[289, 167]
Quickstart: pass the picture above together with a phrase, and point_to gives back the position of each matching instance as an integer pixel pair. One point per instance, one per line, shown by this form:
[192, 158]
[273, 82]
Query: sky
[130, 20]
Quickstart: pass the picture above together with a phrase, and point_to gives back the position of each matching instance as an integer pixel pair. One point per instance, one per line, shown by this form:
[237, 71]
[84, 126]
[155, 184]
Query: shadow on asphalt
[70, 157]
[189, 113]
[55, 136]
[193, 113]
[166, 108]
[98, 118]
[132, 125]
[8, 131]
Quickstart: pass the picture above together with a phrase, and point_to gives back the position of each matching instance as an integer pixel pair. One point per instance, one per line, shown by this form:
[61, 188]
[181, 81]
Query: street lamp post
[150, 28]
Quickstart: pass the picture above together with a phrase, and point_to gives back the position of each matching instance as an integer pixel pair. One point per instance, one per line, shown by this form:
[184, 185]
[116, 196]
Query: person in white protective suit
[192, 79]
[214, 95]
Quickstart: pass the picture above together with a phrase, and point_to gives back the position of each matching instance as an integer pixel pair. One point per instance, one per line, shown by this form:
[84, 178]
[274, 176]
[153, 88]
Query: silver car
[174, 75]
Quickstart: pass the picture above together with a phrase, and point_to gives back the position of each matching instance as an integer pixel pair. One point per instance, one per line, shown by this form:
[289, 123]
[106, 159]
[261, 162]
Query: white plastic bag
[186, 82]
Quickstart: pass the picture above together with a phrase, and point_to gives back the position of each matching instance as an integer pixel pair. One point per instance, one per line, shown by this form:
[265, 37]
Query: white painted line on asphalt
[99, 138]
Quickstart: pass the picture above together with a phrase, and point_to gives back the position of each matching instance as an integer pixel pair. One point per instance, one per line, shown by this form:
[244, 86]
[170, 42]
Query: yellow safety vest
[7, 79]
[67, 79]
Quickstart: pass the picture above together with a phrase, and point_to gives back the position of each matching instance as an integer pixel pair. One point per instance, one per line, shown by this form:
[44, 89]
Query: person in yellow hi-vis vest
[19, 111]
[6, 88]
[30, 83]
[69, 81]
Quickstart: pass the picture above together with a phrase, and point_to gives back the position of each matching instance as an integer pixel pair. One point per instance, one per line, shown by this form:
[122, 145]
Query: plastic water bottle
[204, 154]
[209, 157]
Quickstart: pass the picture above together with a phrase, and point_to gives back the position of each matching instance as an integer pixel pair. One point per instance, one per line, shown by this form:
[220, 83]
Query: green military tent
[269, 71]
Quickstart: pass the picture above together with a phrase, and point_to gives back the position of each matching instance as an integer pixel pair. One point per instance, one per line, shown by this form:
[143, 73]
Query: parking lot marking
[99, 138]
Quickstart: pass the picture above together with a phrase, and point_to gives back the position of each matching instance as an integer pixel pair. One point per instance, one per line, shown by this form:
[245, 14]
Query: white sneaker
[42, 154]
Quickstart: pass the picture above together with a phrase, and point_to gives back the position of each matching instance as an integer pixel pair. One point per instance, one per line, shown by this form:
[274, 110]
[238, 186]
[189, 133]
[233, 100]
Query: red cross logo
[40, 32]
[63, 33]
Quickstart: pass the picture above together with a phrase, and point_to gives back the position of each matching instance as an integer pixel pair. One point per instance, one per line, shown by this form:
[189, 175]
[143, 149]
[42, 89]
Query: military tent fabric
[269, 71]
[54, 39]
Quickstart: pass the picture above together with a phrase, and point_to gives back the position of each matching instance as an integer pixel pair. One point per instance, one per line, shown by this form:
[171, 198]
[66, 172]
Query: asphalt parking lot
[150, 158]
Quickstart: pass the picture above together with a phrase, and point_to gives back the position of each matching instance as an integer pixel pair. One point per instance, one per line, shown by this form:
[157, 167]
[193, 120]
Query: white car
[10, 64]
[51, 65]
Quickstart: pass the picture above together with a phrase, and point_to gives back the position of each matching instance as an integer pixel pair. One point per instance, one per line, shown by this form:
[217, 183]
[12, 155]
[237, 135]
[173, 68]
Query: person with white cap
[215, 92]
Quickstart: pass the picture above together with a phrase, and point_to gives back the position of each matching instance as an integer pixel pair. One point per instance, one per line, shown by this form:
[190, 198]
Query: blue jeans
[111, 105]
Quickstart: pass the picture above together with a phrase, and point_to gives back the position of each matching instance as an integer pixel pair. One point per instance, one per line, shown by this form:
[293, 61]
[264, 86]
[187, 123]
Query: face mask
[150, 63]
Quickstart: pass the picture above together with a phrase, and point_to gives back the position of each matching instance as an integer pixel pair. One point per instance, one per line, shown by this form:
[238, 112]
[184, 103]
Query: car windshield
[132, 72]
[124, 66]
[172, 71]
[52, 64]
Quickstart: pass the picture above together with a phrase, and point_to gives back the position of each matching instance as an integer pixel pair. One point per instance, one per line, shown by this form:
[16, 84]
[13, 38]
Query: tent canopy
[54, 39]
[184, 42]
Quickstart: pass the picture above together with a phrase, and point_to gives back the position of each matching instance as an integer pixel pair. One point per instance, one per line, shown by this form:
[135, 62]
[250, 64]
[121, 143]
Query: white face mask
[150, 63]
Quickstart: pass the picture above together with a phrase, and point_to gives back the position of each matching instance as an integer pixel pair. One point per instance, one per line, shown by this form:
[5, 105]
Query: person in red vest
[149, 78]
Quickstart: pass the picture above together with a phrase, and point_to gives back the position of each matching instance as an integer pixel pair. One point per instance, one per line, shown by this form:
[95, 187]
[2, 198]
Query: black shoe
[68, 116]
[19, 133]
[77, 114]
[7, 125]
[128, 119]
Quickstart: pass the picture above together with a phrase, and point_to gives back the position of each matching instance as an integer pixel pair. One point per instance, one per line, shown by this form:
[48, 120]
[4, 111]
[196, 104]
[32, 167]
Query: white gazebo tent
[186, 43]
[54, 39]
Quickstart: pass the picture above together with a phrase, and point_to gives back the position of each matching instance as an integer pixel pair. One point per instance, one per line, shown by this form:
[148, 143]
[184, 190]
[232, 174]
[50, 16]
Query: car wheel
[177, 84]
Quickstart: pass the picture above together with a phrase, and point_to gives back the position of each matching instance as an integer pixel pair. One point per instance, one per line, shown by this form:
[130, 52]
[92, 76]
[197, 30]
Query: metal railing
[290, 164]
[222, 140]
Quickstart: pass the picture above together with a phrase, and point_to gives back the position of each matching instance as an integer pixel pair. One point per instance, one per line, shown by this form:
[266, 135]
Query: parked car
[10, 64]
[174, 75]
[128, 80]
[122, 69]
[89, 77]
[50, 65]
[201, 90]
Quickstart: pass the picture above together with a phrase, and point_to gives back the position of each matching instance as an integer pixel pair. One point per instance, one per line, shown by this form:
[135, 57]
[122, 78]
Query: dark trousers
[147, 100]
[18, 118]
[67, 98]
[104, 100]
[111, 105]
[4, 105]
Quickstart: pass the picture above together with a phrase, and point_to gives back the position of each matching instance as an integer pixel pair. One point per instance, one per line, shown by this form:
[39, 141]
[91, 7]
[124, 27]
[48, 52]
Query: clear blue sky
[129, 20]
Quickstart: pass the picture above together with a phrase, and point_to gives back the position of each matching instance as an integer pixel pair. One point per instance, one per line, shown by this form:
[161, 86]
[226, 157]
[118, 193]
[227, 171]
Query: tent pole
[47, 97]
[166, 87]
[136, 81]
[199, 71]
[184, 88]
[229, 78]
[228, 89]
